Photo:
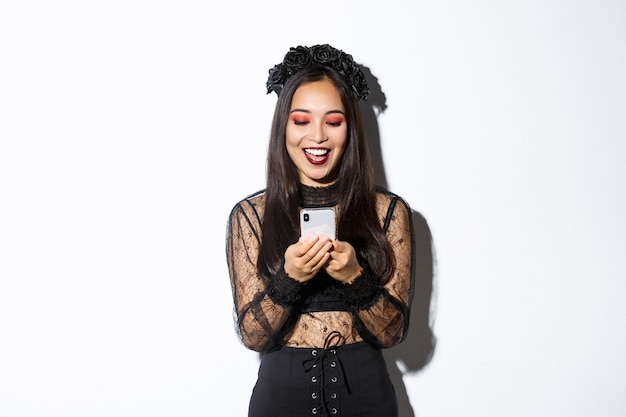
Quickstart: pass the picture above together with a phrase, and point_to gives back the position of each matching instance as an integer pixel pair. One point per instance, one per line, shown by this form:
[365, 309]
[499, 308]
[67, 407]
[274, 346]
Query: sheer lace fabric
[267, 311]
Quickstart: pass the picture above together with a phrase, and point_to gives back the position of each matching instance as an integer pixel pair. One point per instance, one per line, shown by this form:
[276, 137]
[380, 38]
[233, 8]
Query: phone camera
[306, 217]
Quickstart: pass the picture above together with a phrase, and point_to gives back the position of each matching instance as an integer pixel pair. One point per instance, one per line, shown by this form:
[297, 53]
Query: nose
[318, 135]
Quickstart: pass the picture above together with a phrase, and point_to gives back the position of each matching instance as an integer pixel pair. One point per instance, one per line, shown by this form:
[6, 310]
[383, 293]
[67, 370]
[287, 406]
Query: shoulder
[252, 204]
[393, 211]
[386, 200]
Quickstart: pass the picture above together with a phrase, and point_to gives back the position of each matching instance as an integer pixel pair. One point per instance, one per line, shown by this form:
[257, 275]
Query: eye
[335, 121]
[299, 120]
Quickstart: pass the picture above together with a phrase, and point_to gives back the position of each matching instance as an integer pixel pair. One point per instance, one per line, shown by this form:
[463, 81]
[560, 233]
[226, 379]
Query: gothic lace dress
[280, 311]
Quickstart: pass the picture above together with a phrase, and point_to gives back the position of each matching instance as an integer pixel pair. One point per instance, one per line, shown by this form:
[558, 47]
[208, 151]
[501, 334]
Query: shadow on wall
[418, 348]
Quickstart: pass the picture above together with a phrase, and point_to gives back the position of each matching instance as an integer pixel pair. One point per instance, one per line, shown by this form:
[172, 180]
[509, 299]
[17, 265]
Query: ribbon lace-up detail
[326, 372]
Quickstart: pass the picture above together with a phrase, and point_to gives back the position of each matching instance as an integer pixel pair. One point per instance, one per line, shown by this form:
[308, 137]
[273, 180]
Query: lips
[317, 156]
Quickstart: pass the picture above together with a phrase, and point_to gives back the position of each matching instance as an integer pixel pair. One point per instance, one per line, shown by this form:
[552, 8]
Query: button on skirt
[346, 381]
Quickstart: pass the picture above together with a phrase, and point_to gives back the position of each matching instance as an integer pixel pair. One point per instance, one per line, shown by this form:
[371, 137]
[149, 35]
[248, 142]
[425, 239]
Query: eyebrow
[309, 111]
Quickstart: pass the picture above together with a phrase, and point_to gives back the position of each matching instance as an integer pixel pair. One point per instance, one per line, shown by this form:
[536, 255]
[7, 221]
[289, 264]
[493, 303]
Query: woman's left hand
[343, 265]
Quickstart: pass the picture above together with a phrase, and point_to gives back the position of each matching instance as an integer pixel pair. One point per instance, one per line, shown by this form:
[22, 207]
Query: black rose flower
[324, 54]
[345, 64]
[296, 59]
[360, 85]
[276, 79]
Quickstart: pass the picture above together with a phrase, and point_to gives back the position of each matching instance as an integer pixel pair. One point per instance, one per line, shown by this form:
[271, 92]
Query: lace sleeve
[261, 308]
[384, 320]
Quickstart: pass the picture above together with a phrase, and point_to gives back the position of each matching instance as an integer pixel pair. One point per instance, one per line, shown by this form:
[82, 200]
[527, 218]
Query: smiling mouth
[316, 156]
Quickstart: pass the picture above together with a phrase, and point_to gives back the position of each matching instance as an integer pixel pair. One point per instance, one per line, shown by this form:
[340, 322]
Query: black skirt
[345, 381]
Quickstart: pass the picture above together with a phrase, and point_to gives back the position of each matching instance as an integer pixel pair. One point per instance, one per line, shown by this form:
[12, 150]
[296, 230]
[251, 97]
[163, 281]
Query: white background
[128, 130]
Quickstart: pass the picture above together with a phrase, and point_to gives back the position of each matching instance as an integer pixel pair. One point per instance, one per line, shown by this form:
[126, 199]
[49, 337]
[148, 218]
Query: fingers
[343, 265]
[316, 252]
[304, 259]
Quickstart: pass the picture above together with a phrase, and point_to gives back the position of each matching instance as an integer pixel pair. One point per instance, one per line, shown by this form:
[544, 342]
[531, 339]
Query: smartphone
[317, 221]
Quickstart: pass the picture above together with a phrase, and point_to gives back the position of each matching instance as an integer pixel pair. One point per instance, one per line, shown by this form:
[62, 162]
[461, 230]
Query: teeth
[317, 152]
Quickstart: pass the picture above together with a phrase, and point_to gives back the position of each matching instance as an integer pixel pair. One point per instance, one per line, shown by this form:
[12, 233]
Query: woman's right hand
[305, 258]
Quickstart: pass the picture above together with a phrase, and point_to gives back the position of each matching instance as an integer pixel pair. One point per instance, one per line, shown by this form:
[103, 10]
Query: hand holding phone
[317, 221]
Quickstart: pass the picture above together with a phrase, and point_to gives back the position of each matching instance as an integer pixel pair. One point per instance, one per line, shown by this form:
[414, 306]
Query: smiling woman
[319, 310]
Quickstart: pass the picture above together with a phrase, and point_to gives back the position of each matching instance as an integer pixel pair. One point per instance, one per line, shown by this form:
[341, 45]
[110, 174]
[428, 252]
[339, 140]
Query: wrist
[295, 274]
[354, 275]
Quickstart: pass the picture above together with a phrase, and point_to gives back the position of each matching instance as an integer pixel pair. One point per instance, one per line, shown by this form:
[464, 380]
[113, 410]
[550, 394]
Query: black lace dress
[320, 340]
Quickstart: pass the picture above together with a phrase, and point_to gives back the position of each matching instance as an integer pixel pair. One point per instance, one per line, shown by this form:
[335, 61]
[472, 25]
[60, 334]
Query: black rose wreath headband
[325, 55]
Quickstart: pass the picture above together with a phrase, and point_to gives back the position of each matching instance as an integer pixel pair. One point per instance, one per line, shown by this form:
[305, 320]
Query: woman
[320, 310]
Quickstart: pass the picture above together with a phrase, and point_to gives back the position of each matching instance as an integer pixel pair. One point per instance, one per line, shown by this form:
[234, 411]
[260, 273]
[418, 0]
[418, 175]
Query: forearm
[379, 318]
[265, 317]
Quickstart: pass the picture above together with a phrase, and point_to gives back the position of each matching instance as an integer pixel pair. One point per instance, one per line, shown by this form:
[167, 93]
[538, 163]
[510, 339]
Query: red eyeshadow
[299, 118]
[335, 119]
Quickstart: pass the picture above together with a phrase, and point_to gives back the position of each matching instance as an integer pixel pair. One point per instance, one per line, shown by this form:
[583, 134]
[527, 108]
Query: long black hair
[358, 222]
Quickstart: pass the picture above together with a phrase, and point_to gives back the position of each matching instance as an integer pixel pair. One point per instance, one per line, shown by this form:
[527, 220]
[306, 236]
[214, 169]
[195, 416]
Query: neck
[323, 196]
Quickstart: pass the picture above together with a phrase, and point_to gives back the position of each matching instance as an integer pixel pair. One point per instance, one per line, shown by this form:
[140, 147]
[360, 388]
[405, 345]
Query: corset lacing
[326, 372]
